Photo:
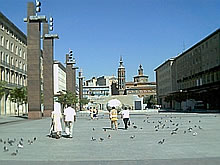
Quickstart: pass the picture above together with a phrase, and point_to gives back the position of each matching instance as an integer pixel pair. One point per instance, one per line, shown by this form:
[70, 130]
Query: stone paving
[188, 139]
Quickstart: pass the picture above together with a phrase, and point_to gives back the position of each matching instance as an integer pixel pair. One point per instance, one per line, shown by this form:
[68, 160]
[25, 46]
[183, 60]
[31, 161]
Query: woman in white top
[56, 119]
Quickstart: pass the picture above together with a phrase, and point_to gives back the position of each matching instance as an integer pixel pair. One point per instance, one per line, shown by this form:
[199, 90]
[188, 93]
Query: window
[12, 47]
[16, 51]
[7, 44]
[2, 41]
[2, 26]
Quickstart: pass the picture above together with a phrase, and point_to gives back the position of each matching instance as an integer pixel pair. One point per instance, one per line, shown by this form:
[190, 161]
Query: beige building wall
[13, 61]
[194, 66]
[164, 81]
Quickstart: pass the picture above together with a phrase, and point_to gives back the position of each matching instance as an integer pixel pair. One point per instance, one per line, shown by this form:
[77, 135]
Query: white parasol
[114, 103]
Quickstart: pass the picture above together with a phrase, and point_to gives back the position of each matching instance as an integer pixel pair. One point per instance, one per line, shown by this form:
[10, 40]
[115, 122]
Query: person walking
[125, 116]
[113, 115]
[69, 119]
[56, 121]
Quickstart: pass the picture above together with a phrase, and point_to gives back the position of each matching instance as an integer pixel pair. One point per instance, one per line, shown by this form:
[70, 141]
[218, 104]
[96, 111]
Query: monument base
[34, 115]
[47, 113]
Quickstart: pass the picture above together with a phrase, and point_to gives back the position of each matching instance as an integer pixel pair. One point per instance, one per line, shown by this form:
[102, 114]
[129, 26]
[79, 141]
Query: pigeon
[104, 129]
[1, 140]
[184, 132]
[132, 137]
[20, 145]
[93, 139]
[200, 127]
[175, 129]
[30, 142]
[109, 136]
[93, 129]
[173, 132]
[161, 141]
[199, 121]
[5, 149]
[101, 139]
[10, 142]
[14, 153]
[35, 138]
[194, 133]
[190, 129]
[134, 126]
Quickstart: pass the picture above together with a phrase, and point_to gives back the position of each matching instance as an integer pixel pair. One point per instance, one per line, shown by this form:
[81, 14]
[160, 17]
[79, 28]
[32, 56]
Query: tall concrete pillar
[70, 74]
[48, 85]
[34, 61]
[80, 89]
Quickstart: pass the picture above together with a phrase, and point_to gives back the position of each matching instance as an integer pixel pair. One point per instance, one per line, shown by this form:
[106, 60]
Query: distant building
[164, 81]
[100, 86]
[59, 77]
[141, 86]
[194, 77]
[13, 62]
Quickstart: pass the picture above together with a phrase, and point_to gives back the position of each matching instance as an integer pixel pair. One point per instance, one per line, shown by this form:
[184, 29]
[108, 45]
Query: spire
[121, 63]
[140, 70]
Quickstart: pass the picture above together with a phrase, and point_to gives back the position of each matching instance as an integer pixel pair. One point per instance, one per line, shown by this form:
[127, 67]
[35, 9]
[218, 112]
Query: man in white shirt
[125, 117]
[69, 118]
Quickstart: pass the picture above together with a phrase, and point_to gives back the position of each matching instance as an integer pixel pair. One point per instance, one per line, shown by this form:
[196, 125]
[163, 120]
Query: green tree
[150, 100]
[2, 91]
[18, 95]
[67, 98]
[83, 101]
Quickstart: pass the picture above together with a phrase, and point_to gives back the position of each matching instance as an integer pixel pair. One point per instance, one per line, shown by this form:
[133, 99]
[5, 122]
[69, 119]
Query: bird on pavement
[93, 139]
[132, 137]
[93, 129]
[161, 141]
[194, 133]
[101, 139]
[35, 138]
[5, 149]
[14, 153]
[109, 136]
[20, 145]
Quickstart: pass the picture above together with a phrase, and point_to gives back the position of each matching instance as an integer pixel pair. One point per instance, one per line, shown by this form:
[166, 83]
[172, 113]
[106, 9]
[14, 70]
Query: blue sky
[146, 32]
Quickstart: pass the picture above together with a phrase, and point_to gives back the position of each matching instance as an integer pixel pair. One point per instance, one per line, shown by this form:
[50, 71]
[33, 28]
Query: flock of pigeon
[12, 146]
[172, 125]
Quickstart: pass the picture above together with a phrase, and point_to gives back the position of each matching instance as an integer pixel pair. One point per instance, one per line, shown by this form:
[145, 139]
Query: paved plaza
[152, 138]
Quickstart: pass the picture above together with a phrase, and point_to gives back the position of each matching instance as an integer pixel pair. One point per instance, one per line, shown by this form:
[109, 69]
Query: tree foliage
[2, 88]
[84, 101]
[18, 95]
[150, 100]
[67, 98]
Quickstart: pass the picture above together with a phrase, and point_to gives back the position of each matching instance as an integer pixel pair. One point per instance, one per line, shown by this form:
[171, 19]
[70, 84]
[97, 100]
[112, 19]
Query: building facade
[13, 62]
[140, 86]
[59, 77]
[195, 76]
[164, 81]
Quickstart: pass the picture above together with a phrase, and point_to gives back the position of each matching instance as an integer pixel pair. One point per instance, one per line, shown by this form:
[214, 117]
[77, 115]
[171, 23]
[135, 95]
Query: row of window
[12, 47]
[11, 33]
[13, 77]
[7, 60]
[204, 79]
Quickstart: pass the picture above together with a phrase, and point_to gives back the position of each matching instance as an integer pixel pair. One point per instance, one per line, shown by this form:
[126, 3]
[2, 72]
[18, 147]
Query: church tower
[121, 78]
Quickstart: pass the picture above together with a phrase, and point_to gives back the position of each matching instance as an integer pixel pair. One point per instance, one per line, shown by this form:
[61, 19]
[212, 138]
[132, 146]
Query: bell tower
[121, 77]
